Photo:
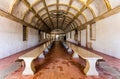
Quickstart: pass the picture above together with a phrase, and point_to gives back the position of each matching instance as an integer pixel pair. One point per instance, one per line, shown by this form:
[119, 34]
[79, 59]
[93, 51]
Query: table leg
[90, 68]
[41, 56]
[75, 55]
[29, 67]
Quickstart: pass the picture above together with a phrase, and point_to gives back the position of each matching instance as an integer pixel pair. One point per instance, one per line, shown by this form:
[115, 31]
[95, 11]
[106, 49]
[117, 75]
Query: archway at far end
[57, 34]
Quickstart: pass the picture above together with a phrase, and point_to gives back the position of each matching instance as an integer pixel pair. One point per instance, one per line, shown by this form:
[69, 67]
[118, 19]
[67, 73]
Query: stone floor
[59, 65]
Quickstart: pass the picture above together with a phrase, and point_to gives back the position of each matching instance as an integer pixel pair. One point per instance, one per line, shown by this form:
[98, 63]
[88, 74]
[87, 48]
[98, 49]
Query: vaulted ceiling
[66, 15]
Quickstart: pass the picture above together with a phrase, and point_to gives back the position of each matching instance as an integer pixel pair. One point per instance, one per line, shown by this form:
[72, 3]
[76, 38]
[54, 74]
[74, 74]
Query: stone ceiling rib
[81, 10]
[48, 12]
[9, 16]
[45, 21]
[32, 9]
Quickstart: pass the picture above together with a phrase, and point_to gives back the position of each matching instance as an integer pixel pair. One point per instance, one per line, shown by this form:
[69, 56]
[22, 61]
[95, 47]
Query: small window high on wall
[24, 33]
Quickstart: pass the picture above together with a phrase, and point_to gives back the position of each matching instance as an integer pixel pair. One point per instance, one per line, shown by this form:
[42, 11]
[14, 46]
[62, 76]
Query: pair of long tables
[91, 58]
[30, 56]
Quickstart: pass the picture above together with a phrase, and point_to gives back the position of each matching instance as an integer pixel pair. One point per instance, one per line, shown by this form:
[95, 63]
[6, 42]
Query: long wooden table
[91, 58]
[30, 56]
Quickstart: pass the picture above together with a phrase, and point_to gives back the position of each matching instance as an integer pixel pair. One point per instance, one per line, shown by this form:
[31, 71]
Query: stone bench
[91, 58]
[30, 56]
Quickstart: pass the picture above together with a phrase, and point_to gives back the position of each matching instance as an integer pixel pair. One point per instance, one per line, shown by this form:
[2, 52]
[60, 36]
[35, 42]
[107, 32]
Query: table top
[35, 52]
[82, 52]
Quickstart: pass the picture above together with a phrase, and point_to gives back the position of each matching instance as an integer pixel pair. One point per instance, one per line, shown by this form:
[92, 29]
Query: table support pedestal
[90, 68]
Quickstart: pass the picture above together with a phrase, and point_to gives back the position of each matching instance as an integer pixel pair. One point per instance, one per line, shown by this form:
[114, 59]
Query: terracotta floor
[58, 65]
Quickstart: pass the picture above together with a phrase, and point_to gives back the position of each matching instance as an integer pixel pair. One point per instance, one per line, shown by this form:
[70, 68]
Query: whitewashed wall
[108, 36]
[68, 36]
[11, 39]
[33, 38]
[83, 38]
[72, 37]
